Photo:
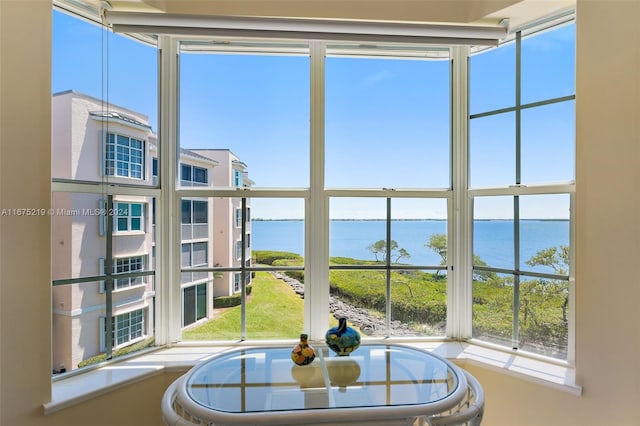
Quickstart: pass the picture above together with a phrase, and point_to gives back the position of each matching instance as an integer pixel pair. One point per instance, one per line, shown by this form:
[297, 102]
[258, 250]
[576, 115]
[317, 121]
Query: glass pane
[543, 316]
[544, 233]
[122, 224]
[188, 305]
[200, 212]
[492, 151]
[493, 232]
[492, 79]
[277, 225]
[361, 297]
[548, 64]
[136, 209]
[493, 307]
[99, 137]
[418, 303]
[389, 120]
[548, 143]
[418, 226]
[201, 301]
[252, 110]
[357, 230]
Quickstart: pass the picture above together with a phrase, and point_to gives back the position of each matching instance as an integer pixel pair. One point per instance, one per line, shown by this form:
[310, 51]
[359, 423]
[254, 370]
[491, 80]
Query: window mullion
[316, 252]
[168, 301]
[460, 263]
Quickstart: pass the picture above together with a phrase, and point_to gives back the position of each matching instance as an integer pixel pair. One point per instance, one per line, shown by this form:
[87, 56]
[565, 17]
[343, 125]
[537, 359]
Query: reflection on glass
[492, 79]
[548, 143]
[387, 123]
[265, 379]
[492, 151]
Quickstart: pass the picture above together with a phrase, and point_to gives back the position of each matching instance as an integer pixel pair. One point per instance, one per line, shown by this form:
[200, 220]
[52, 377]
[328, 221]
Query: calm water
[493, 239]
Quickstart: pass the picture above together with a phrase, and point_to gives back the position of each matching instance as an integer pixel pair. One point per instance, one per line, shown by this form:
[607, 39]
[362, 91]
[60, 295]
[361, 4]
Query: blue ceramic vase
[342, 339]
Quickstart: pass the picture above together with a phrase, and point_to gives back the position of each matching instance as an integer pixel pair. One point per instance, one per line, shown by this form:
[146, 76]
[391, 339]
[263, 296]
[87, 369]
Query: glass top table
[262, 385]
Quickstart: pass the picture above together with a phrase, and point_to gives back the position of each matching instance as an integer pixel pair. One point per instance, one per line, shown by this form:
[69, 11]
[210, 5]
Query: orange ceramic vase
[303, 353]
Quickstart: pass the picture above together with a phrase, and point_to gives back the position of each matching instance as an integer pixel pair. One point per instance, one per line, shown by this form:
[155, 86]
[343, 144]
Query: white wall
[608, 238]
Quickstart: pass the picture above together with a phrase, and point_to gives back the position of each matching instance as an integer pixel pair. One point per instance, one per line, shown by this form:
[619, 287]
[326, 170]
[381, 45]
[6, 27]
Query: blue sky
[387, 121]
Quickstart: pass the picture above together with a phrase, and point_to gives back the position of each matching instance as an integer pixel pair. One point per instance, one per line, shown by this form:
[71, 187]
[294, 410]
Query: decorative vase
[303, 353]
[342, 339]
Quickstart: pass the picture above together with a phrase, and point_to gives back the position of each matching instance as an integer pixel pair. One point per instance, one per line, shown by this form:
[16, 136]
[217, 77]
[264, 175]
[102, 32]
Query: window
[237, 179]
[124, 156]
[379, 179]
[194, 303]
[127, 328]
[125, 265]
[238, 218]
[193, 175]
[194, 211]
[110, 140]
[238, 250]
[521, 177]
[154, 166]
[128, 217]
[237, 279]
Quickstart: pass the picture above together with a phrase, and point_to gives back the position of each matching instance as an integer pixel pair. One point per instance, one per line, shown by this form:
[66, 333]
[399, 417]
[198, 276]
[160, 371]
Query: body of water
[493, 239]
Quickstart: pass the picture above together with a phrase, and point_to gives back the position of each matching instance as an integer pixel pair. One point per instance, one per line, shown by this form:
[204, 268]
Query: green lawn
[273, 311]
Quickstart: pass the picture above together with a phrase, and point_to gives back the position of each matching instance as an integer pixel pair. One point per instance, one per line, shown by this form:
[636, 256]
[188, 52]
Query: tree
[557, 258]
[380, 248]
[438, 243]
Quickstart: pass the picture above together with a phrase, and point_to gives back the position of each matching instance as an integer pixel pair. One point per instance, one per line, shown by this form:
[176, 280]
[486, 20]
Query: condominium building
[112, 144]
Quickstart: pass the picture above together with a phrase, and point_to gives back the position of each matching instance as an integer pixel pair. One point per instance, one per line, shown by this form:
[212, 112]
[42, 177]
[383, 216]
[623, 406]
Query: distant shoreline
[410, 220]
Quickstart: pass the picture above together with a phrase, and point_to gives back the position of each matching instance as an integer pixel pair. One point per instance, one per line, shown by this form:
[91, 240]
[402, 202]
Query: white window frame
[117, 333]
[127, 263]
[459, 312]
[110, 165]
[117, 210]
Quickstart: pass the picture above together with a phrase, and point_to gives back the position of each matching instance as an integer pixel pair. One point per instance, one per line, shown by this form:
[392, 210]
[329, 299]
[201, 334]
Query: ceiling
[488, 12]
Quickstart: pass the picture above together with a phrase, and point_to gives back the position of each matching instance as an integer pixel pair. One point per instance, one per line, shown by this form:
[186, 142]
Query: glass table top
[266, 379]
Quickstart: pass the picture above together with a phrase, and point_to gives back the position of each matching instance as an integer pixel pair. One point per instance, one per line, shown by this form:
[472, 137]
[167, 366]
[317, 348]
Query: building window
[238, 180]
[127, 328]
[238, 218]
[128, 217]
[154, 166]
[238, 250]
[193, 175]
[124, 156]
[237, 280]
[194, 303]
[194, 211]
[126, 265]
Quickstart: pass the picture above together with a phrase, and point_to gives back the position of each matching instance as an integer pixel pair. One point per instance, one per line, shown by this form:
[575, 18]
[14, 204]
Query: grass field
[273, 311]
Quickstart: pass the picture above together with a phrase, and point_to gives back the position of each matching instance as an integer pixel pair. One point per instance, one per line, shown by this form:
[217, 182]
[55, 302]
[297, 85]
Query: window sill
[77, 388]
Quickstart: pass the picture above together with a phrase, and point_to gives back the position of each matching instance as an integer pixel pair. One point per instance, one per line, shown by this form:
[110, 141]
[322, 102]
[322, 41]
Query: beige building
[111, 144]
[607, 337]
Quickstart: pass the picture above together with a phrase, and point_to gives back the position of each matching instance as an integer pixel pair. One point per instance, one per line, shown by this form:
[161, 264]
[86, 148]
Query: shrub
[229, 301]
[118, 352]
[268, 257]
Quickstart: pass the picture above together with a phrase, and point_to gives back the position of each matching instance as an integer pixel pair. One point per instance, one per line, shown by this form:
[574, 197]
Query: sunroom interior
[587, 376]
